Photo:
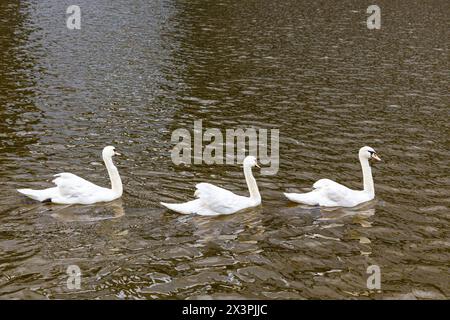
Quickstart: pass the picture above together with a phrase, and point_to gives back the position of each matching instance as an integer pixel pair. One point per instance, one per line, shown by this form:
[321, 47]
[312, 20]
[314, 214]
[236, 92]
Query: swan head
[250, 161]
[368, 153]
[109, 152]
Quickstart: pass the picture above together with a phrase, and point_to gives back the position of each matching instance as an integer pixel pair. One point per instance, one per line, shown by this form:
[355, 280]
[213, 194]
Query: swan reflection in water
[338, 223]
[95, 212]
[227, 227]
[363, 211]
[350, 217]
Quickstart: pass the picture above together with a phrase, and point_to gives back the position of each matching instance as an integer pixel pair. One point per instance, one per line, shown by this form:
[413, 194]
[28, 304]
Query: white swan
[213, 201]
[328, 193]
[71, 189]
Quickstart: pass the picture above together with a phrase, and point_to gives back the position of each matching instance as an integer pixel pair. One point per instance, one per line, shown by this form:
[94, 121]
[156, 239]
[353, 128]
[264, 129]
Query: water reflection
[95, 212]
[364, 210]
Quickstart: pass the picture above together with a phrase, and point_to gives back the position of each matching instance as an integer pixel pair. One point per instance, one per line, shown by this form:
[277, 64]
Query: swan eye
[371, 152]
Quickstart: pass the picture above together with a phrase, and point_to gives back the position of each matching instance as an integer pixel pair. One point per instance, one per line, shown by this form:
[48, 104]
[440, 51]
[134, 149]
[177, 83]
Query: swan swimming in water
[213, 201]
[71, 189]
[328, 193]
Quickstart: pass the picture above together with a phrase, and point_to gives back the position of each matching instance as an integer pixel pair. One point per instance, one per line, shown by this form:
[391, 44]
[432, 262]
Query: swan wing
[71, 186]
[332, 192]
[219, 200]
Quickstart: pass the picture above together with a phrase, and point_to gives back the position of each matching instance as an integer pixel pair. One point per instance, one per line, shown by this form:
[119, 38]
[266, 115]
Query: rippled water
[138, 70]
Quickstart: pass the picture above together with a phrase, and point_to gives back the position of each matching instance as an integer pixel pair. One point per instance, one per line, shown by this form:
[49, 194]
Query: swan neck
[251, 184]
[367, 177]
[116, 182]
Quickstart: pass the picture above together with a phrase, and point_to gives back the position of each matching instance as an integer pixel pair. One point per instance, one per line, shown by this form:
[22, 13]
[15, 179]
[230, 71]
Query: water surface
[138, 70]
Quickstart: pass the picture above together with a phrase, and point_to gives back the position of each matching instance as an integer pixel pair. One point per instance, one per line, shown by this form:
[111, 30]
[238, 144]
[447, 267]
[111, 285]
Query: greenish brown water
[137, 70]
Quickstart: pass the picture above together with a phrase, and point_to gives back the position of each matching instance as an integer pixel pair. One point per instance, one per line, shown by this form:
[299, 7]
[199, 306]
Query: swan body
[212, 200]
[328, 193]
[71, 189]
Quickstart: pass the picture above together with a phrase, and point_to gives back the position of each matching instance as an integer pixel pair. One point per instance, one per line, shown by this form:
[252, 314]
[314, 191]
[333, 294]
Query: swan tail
[308, 198]
[183, 208]
[39, 195]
